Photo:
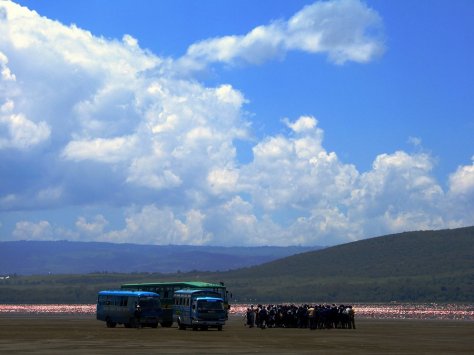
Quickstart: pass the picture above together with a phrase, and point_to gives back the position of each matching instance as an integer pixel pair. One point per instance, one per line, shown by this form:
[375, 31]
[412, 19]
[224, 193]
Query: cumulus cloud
[153, 225]
[461, 195]
[345, 30]
[461, 182]
[103, 124]
[221, 180]
[100, 149]
[289, 171]
[96, 227]
[6, 74]
[399, 192]
[25, 230]
[22, 133]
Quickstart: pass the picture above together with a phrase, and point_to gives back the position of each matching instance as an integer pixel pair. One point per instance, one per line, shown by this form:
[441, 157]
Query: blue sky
[235, 122]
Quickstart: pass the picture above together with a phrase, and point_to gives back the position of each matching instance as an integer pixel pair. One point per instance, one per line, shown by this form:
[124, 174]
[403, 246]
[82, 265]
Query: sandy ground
[85, 335]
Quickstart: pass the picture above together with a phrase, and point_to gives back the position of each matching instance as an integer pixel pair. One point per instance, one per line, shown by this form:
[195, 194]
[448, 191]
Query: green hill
[426, 266]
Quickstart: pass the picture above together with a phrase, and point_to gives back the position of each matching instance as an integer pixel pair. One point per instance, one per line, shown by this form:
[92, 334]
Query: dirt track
[84, 334]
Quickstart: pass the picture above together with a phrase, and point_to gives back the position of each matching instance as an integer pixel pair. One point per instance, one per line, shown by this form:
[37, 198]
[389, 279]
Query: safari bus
[167, 290]
[199, 309]
[133, 309]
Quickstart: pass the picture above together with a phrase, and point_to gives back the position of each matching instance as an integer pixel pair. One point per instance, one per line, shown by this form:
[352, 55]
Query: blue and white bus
[167, 290]
[199, 309]
[133, 309]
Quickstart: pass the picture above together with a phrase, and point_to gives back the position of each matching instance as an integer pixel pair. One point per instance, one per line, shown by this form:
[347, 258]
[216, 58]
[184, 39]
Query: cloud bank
[94, 125]
[344, 30]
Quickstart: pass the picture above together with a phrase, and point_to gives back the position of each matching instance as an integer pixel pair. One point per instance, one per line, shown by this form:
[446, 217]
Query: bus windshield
[149, 302]
[210, 305]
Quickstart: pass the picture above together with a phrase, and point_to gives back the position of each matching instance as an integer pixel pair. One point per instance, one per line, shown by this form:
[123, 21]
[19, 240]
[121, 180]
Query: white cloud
[304, 123]
[96, 227]
[291, 171]
[44, 230]
[6, 74]
[25, 30]
[149, 172]
[461, 182]
[20, 132]
[152, 225]
[460, 208]
[95, 122]
[346, 30]
[235, 220]
[223, 180]
[104, 150]
[324, 226]
[399, 188]
[25, 230]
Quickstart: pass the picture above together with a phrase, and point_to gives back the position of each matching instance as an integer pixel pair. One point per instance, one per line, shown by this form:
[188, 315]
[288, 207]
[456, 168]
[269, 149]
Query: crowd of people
[302, 316]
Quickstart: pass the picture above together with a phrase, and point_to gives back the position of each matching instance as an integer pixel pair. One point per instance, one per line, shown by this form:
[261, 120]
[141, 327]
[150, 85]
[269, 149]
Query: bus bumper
[208, 323]
[149, 321]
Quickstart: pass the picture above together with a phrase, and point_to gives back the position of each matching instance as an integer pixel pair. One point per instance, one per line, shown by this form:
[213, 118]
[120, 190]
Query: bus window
[149, 303]
[210, 305]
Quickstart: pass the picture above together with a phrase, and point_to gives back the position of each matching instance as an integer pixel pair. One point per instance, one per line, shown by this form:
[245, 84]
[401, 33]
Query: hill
[425, 266]
[63, 257]
[432, 266]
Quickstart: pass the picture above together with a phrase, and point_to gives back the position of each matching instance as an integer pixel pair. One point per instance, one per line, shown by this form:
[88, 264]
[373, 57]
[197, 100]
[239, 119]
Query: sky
[232, 123]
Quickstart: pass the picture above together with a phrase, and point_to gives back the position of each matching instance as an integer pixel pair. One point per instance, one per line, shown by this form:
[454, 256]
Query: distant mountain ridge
[420, 266]
[65, 257]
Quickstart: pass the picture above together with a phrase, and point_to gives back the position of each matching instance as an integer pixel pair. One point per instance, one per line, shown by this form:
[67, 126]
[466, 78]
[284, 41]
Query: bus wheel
[166, 324]
[154, 325]
[219, 327]
[110, 324]
[181, 326]
[195, 327]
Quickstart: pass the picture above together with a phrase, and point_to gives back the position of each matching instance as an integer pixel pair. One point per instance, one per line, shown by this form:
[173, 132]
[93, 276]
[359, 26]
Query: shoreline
[375, 311]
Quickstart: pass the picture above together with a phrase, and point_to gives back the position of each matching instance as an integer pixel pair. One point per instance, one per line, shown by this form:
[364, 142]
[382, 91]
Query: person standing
[138, 314]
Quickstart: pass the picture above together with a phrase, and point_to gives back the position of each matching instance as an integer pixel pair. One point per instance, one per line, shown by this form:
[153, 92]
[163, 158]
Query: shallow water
[365, 311]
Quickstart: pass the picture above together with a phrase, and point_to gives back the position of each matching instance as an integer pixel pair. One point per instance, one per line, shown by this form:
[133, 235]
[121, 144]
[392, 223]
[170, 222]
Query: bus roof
[206, 295]
[210, 299]
[183, 284]
[190, 292]
[128, 293]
